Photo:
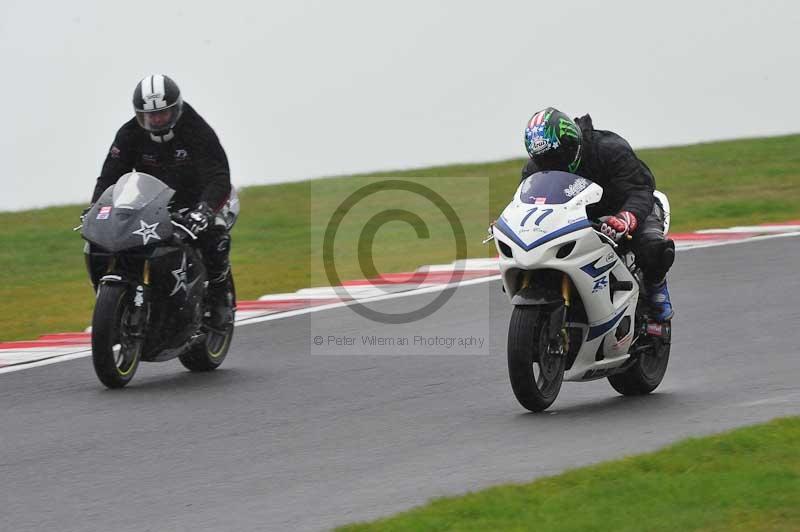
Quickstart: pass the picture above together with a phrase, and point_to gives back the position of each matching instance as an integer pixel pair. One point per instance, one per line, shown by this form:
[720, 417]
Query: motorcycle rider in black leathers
[556, 142]
[169, 140]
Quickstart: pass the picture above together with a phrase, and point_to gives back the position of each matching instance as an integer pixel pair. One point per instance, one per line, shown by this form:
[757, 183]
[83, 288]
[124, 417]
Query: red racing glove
[619, 225]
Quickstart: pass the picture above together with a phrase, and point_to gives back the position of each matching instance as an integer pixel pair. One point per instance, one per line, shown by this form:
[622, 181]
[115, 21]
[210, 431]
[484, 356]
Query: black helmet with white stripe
[158, 105]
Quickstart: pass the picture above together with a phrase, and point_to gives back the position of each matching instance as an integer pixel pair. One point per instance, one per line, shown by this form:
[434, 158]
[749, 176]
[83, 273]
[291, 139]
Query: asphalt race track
[280, 439]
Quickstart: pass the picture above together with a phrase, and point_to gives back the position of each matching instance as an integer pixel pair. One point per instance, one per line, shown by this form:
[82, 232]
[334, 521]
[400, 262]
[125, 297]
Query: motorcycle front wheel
[114, 355]
[536, 372]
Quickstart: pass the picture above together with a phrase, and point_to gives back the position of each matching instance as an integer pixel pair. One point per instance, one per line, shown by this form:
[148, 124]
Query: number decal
[530, 212]
[545, 214]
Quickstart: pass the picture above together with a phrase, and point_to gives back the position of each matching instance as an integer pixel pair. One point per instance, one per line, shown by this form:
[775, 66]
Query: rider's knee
[222, 244]
[655, 257]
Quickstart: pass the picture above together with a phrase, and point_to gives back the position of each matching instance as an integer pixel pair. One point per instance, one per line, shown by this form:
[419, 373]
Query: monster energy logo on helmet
[553, 141]
[567, 127]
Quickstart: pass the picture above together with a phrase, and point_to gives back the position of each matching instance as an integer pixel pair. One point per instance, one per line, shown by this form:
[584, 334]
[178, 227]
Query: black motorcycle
[150, 283]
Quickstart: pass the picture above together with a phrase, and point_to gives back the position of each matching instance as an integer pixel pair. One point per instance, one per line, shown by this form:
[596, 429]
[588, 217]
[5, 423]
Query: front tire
[647, 371]
[115, 356]
[536, 372]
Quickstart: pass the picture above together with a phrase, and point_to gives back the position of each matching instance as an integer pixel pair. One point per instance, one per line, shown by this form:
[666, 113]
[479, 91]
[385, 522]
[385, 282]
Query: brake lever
[491, 234]
[607, 238]
[597, 226]
[185, 229]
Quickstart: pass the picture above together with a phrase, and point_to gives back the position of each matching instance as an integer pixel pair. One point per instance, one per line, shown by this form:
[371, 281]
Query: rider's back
[608, 160]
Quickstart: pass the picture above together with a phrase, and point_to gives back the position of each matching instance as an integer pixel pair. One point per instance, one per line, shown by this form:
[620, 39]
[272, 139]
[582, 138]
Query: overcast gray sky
[297, 89]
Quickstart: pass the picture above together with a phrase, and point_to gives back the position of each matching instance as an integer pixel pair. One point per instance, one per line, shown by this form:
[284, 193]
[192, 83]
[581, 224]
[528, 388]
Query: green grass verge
[44, 287]
[747, 480]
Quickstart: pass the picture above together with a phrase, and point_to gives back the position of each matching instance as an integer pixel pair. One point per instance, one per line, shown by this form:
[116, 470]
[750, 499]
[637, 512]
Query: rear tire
[115, 358]
[536, 374]
[210, 354]
[647, 371]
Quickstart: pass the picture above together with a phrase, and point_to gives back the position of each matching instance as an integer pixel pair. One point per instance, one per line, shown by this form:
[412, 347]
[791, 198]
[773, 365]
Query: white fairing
[229, 212]
[660, 196]
[534, 232]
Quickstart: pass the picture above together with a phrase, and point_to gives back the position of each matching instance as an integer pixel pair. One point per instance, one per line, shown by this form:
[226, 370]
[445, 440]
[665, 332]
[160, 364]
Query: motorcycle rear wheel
[209, 355]
[115, 358]
[536, 373]
[647, 371]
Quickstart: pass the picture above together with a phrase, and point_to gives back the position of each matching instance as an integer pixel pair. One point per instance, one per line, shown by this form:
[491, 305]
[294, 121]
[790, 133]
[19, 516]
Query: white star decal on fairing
[180, 278]
[147, 231]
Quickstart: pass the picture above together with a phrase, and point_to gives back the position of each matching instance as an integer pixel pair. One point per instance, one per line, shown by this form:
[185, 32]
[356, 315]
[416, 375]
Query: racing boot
[219, 299]
[658, 296]
[219, 312]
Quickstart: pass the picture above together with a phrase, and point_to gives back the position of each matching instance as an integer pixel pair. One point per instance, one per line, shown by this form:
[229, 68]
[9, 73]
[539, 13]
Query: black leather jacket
[192, 162]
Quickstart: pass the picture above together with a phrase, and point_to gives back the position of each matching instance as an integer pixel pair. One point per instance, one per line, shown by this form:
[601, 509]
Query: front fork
[566, 289]
[557, 331]
[141, 300]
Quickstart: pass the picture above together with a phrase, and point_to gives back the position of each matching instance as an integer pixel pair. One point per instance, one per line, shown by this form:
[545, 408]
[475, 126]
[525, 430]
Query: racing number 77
[545, 213]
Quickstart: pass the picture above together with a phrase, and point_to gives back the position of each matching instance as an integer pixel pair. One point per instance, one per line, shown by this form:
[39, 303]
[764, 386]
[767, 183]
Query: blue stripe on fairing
[593, 271]
[599, 330]
[571, 228]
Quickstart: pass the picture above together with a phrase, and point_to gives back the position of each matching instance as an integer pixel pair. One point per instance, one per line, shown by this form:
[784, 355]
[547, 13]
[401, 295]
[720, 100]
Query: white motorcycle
[578, 314]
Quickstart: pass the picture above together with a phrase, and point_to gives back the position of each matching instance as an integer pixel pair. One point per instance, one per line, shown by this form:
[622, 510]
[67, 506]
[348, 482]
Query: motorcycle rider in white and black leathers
[556, 142]
[169, 140]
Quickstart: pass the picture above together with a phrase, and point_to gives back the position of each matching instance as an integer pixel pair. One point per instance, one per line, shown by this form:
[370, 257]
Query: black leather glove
[199, 219]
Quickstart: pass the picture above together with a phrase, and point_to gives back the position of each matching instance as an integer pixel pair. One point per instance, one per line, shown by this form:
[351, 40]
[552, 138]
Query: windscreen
[552, 188]
[135, 190]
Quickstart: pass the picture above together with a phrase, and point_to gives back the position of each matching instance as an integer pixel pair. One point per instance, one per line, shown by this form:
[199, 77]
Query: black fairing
[136, 228]
[117, 223]
[178, 279]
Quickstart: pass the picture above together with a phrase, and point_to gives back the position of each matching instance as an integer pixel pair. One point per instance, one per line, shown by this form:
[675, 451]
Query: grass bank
[44, 287]
[747, 480]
